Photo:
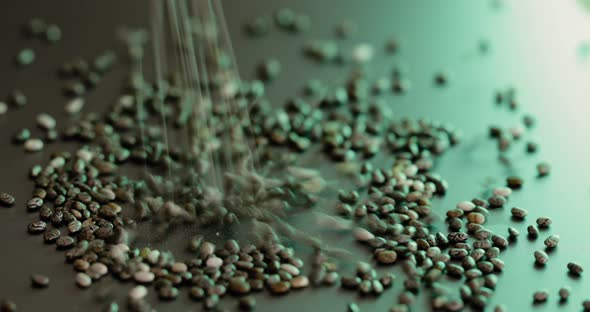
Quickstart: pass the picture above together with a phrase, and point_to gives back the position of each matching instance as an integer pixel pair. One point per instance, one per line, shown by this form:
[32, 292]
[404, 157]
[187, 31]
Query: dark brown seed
[280, 288]
[37, 227]
[518, 213]
[387, 257]
[575, 268]
[7, 306]
[51, 235]
[247, 303]
[6, 200]
[540, 296]
[532, 231]
[544, 222]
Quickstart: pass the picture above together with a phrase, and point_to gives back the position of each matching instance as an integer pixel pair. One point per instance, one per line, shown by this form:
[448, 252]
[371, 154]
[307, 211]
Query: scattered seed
[7, 306]
[575, 268]
[540, 296]
[543, 169]
[39, 281]
[564, 293]
[83, 280]
[544, 222]
[552, 241]
[541, 257]
[33, 145]
[25, 57]
[6, 200]
[518, 213]
[247, 303]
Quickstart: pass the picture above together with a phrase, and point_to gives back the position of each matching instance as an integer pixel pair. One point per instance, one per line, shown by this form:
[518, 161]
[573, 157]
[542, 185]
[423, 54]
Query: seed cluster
[87, 208]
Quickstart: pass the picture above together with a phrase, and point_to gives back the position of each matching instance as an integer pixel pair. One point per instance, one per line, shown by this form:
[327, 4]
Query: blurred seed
[543, 169]
[6, 200]
[25, 57]
[575, 268]
[39, 281]
[541, 257]
[564, 293]
[540, 296]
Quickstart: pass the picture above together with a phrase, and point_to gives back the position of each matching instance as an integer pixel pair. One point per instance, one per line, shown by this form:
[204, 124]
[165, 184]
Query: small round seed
[25, 57]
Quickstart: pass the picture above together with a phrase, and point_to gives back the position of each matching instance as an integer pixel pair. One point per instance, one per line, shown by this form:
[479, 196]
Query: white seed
[85, 155]
[362, 235]
[74, 106]
[83, 280]
[143, 277]
[3, 108]
[45, 121]
[466, 206]
[33, 145]
[97, 270]
[363, 53]
[503, 191]
[179, 267]
[138, 292]
[300, 282]
[214, 262]
[291, 269]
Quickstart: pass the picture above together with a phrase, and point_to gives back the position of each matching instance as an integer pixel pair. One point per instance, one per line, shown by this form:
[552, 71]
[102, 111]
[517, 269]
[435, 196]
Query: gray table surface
[534, 47]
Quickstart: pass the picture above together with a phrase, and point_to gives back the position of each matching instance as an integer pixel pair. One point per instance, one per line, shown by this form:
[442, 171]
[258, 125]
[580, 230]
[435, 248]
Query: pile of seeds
[91, 211]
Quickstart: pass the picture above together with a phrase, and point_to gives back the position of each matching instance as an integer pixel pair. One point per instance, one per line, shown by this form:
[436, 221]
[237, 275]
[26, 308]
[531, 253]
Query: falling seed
[575, 268]
[284, 18]
[552, 241]
[258, 27]
[36, 27]
[346, 29]
[541, 257]
[25, 57]
[3, 108]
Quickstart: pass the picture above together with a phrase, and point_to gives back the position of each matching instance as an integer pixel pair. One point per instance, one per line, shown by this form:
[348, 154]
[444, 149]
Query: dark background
[535, 46]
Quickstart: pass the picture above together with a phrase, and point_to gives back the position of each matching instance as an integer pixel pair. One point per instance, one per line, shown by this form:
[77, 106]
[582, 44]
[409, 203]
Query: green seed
[25, 57]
